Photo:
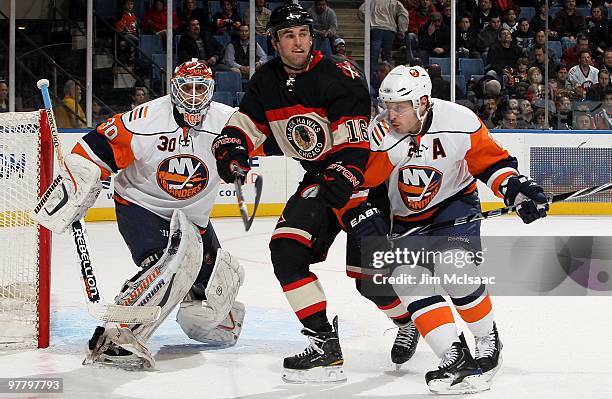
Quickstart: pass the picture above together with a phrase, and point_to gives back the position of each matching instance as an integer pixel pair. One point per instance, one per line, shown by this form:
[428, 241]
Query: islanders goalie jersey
[161, 164]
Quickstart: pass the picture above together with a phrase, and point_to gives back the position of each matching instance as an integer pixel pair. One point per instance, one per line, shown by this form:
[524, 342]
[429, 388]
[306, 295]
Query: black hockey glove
[521, 190]
[336, 184]
[365, 220]
[232, 157]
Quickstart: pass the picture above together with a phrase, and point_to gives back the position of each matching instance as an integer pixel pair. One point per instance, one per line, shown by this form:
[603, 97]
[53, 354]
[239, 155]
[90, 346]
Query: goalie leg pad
[70, 194]
[167, 281]
[222, 288]
[197, 321]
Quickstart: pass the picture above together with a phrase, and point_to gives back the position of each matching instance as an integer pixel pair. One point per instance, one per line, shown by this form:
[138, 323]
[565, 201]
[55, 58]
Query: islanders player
[429, 155]
[165, 184]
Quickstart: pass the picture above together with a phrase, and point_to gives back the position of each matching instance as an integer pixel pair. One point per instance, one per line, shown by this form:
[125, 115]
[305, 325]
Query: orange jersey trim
[120, 140]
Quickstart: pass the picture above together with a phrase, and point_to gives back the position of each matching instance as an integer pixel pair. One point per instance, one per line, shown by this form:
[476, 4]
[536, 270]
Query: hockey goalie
[165, 185]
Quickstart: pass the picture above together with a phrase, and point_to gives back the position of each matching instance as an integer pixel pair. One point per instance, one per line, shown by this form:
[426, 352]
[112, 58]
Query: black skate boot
[405, 344]
[488, 353]
[458, 372]
[321, 361]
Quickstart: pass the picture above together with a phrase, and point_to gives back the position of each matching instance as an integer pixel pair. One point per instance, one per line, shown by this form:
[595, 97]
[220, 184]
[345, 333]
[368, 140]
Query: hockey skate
[458, 373]
[488, 353]
[321, 361]
[405, 344]
[117, 346]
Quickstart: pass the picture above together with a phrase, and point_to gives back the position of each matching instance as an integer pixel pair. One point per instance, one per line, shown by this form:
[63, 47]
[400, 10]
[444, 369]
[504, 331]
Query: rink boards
[560, 161]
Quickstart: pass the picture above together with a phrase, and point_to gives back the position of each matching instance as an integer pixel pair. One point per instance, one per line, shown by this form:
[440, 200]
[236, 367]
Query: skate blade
[316, 375]
[491, 373]
[116, 362]
[398, 366]
[470, 384]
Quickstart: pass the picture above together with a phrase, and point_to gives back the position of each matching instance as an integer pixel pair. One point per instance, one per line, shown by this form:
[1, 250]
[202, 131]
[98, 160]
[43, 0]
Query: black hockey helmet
[286, 16]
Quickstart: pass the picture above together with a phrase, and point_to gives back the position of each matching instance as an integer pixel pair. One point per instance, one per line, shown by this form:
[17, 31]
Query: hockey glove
[230, 151]
[336, 184]
[521, 190]
[365, 220]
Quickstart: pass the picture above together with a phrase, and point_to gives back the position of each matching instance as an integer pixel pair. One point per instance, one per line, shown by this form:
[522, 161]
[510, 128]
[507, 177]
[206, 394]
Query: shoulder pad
[151, 117]
[451, 117]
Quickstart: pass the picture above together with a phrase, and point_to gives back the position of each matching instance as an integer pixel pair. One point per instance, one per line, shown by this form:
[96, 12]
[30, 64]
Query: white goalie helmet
[192, 88]
[406, 83]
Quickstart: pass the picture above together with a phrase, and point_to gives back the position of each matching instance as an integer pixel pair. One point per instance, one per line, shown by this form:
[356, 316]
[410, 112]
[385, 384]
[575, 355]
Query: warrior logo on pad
[418, 185]
[182, 176]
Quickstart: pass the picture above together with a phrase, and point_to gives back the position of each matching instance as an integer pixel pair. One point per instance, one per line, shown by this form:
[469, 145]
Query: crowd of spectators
[516, 78]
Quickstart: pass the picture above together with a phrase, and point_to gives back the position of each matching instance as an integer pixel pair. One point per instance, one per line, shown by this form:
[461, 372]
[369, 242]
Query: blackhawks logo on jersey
[418, 185]
[182, 176]
[306, 136]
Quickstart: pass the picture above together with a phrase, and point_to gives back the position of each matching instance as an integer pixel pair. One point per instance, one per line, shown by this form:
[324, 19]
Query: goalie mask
[192, 88]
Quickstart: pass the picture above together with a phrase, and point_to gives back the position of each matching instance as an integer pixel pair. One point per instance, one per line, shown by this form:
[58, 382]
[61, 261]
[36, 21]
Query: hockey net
[26, 169]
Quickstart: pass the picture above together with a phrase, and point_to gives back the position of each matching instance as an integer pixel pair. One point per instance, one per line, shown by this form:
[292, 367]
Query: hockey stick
[244, 213]
[95, 304]
[501, 211]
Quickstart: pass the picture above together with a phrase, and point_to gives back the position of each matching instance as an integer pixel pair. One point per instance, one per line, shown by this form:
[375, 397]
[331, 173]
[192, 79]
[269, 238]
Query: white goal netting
[20, 253]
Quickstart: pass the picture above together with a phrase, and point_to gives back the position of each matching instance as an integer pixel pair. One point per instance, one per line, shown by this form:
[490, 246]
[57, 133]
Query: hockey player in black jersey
[309, 108]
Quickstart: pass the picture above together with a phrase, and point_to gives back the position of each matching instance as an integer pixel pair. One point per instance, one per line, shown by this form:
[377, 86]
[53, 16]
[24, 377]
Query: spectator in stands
[262, 17]
[510, 21]
[419, 17]
[339, 48]
[539, 39]
[489, 36]
[522, 66]
[155, 19]
[504, 54]
[98, 115]
[583, 121]
[324, 24]
[69, 113]
[534, 76]
[607, 60]
[488, 112]
[434, 38]
[525, 117]
[568, 23]
[540, 119]
[388, 18]
[236, 55]
[139, 97]
[227, 20]
[440, 87]
[482, 16]
[538, 23]
[539, 61]
[583, 74]
[524, 36]
[561, 75]
[598, 91]
[504, 5]
[603, 118]
[563, 117]
[446, 13]
[570, 55]
[191, 10]
[4, 105]
[510, 121]
[466, 39]
[383, 69]
[127, 26]
[199, 44]
[599, 30]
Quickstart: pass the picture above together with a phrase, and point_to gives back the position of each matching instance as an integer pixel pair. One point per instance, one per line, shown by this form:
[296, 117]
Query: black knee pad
[290, 259]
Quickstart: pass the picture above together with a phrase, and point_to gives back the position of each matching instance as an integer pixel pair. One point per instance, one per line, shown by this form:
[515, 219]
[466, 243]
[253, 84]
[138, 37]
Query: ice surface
[554, 347]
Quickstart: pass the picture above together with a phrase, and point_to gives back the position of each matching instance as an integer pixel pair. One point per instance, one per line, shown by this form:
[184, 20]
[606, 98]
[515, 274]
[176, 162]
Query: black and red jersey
[318, 117]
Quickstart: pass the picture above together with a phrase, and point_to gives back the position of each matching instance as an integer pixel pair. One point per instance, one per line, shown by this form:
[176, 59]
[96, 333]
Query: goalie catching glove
[70, 194]
[528, 195]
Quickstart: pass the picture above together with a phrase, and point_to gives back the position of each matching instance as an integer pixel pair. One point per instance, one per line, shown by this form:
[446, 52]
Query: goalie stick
[501, 211]
[95, 303]
[244, 213]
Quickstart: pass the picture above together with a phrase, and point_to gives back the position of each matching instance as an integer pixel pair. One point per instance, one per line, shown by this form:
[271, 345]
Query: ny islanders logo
[418, 185]
[306, 136]
[182, 176]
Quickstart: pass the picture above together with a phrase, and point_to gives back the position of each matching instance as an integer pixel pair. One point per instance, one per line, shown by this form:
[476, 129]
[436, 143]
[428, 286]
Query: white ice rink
[554, 347]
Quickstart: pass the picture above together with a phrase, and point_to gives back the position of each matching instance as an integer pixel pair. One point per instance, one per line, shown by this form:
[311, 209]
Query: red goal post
[26, 170]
